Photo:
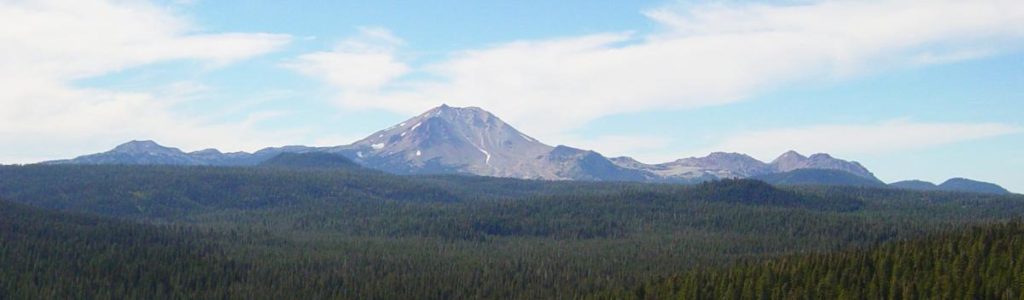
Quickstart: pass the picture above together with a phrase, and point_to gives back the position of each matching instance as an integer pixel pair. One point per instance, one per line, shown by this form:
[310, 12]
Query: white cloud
[51, 44]
[930, 58]
[705, 55]
[849, 140]
[355, 65]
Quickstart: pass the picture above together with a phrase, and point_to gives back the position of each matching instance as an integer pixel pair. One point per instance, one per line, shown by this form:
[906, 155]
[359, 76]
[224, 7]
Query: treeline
[172, 192]
[980, 263]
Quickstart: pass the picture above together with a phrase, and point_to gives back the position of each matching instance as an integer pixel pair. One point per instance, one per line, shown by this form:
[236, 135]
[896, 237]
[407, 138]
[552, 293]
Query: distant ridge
[952, 185]
[719, 165]
[915, 185]
[819, 177]
[310, 160]
[472, 141]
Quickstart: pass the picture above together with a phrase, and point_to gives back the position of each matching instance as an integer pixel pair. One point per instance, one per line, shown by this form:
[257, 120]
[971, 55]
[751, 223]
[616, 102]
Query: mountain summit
[449, 139]
[791, 160]
[138, 153]
[470, 140]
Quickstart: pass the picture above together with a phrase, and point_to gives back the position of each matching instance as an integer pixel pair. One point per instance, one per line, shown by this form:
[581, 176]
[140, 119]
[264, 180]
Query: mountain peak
[139, 143]
[453, 139]
[791, 154]
[791, 160]
[969, 185]
[820, 156]
[915, 184]
[454, 113]
[145, 152]
[728, 155]
[143, 146]
[716, 164]
[208, 151]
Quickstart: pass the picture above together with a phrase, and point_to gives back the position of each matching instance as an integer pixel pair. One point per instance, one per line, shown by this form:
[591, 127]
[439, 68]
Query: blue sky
[911, 89]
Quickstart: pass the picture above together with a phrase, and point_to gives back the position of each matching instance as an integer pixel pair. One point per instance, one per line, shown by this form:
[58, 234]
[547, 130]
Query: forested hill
[310, 160]
[980, 263]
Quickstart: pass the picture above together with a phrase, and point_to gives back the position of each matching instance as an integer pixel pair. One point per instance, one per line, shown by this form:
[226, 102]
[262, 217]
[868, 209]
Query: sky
[911, 89]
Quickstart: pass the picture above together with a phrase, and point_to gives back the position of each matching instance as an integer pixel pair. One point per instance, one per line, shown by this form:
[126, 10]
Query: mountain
[150, 153]
[137, 153]
[721, 165]
[453, 140]
[967, 185]
[792, 160]
[579, 164]
[310, 160]
[918, 185]
[717, 165]
[952, 185]
[470, 140]
[819, 177]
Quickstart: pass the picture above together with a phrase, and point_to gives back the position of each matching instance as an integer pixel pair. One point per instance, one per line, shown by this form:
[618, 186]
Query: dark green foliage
[967, 185]
[359, 234]
[819, 177]
[952, 185]
[171, 192]
[916, 185]
[310, 160]
[760, 193]
[47, 255]
[979, 263]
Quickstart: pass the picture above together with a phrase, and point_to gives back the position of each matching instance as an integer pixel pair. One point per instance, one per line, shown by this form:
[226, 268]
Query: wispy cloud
[703, 55]
[55, 43]
[358, 64]
[852, 139]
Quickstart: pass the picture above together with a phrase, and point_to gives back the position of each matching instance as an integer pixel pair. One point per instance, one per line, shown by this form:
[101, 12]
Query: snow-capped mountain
[452, 140]
[472, 141]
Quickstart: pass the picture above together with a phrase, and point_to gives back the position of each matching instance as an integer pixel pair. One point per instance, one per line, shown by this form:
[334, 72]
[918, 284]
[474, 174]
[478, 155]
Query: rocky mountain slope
[792, 160]
[714, 166]
[453, 140]
[719, 165]
[473, 141]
